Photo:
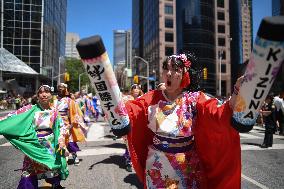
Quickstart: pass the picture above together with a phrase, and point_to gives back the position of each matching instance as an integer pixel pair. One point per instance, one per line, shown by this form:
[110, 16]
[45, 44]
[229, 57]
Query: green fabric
[18, 129]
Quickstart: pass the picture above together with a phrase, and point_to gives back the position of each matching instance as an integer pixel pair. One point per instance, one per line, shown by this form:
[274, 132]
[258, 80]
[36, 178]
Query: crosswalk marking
[254, 182]
[100, 151]
[253, 147]
[249, 136]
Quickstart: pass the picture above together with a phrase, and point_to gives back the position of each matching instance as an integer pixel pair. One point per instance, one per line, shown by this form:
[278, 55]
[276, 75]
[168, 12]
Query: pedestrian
[179, 137]
[38, 131]
[269, 114]
[135, 92]
[279, 104]
[68, 111]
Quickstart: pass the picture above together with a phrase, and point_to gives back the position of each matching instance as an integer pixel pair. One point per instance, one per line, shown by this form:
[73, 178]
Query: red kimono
[187, 143]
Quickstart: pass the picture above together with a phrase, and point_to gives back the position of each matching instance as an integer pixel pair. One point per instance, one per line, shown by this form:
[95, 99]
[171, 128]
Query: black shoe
[264, 146]
[129, 167]
[58, 187]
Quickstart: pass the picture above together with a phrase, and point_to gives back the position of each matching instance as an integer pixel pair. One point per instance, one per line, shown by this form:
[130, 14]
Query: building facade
[34, 31]
[154, 36]
[241, 41]
[278, 10]
[122, 56]
[70, 45]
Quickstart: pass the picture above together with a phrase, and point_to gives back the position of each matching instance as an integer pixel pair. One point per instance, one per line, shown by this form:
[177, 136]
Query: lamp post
[147, 63]
[80, 80]
[59, 70]
[49, 68]
[220, 68]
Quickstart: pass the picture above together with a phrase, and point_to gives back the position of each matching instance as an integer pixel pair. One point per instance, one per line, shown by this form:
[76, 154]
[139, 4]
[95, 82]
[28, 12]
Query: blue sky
[101, 17]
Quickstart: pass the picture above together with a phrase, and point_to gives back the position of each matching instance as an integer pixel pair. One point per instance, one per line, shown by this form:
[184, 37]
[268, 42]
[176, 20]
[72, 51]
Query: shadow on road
[252, 144]
[133, 180]
[116, 145]
[115, 159]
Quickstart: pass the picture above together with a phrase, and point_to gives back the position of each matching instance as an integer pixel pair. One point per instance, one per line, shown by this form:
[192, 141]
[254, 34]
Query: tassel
[185, 80]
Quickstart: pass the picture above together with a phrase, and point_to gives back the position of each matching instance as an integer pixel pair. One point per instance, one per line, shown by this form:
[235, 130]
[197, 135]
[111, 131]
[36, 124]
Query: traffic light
[135, 79]
[205, 73]
[66, 77]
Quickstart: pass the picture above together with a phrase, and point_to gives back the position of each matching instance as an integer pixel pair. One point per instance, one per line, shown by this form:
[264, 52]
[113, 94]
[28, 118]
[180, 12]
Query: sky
[101, 17]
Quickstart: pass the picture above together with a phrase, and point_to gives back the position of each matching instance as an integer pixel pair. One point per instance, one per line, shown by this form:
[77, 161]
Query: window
[169, 51]
[223, 68]
[168, 9]
[221, 29]
[221, 16]
[221, 42]
[169, 37]
[169, 23]
[220, 3]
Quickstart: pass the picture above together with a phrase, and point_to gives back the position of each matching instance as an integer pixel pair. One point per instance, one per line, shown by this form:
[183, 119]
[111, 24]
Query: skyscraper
[277, 7]
[154, 34]
[278, 10]
[241, 41]
[196, 33]
[122, 56]
[34, 31]
[70, 45]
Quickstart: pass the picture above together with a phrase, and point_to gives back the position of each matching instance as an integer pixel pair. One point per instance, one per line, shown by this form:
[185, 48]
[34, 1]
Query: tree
[75, 67]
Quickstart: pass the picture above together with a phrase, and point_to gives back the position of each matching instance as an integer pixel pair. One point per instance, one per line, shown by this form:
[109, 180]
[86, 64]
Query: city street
[102, 163]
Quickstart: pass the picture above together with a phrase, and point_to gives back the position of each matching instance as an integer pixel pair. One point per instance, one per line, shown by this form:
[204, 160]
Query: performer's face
[61, 90]
[44, 95]
[172, 76]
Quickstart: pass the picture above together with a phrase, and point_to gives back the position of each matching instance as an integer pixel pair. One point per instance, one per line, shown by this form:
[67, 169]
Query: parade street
[102, 163]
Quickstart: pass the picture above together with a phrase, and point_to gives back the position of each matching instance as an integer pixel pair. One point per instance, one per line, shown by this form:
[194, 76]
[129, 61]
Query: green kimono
[19, 130]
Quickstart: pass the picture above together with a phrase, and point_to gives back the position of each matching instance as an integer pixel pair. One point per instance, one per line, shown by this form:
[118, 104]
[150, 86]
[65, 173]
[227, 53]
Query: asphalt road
[102, 164]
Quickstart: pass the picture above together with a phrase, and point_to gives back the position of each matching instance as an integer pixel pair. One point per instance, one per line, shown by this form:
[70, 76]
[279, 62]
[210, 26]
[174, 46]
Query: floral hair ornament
[186, 77]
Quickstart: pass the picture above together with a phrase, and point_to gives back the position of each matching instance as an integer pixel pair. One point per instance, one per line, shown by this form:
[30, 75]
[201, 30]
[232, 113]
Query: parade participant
[68, 111]
[269, 114]
[38, 131]
[135, 92]
[177, 137]
[187, 140]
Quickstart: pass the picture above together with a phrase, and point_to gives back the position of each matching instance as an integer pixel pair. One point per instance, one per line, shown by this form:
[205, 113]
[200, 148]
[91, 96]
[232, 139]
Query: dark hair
[46, 88]
[194, 69]
[135, 86]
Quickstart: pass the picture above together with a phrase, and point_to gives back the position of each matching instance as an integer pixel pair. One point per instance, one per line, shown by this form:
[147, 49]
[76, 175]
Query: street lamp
[220, 79]
[147, 63]
[49, 68]
[59, 65]
[80, 80]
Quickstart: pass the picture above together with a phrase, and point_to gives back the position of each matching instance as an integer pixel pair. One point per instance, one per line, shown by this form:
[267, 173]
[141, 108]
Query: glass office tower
[34, 31]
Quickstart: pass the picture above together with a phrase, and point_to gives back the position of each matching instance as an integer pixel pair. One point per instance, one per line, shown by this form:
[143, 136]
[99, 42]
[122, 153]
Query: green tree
[75, 67]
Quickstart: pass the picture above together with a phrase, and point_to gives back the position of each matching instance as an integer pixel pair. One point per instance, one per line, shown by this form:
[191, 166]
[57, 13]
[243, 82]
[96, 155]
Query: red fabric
[217, 143]
[185, 80]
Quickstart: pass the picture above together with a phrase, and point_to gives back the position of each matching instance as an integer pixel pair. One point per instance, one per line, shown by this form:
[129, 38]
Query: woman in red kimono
[181, 138]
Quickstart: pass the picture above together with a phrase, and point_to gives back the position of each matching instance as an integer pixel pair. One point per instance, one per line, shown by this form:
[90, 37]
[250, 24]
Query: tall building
[278, 10]
[277, 7]
[154, 35]
[223, 45]
[122, 47]
[196, 33]
[34, 31]
[241, 41]
[122, 57]
[70, 45]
